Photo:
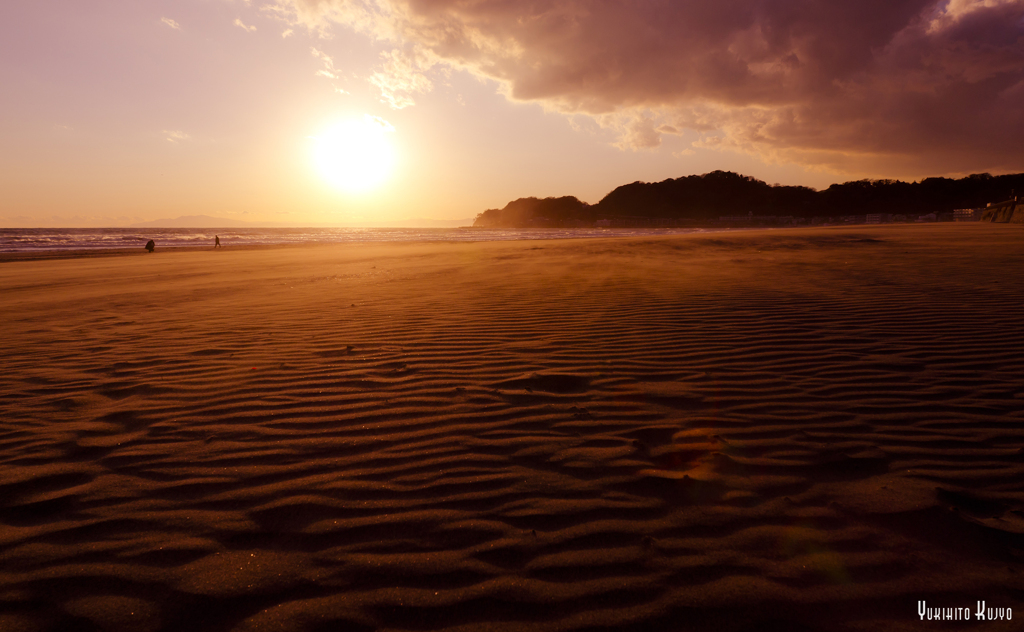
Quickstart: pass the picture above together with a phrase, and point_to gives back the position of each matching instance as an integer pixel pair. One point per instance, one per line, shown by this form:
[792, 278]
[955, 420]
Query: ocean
[52, 239]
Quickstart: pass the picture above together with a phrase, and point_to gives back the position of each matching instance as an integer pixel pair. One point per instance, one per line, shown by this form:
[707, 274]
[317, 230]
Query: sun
[355, 155]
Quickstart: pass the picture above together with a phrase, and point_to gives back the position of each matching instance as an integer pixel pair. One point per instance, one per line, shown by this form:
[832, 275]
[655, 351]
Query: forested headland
[723, 196]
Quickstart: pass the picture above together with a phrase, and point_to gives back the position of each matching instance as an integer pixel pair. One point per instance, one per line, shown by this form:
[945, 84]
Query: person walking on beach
[216, 243]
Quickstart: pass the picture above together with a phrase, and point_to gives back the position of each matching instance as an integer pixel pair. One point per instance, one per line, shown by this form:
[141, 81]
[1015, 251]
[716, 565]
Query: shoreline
[85, 253]
[78, 253]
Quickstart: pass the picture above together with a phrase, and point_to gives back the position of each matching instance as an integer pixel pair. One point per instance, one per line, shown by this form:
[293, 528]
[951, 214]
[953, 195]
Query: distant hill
[200, 221]
[422, 222]
[207, 221]
[533, 211]
[707, 197]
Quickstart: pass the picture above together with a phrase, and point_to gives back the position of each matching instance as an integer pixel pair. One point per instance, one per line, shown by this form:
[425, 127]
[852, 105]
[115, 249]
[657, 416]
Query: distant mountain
[422, 222]
[201, 221]
[207, 221]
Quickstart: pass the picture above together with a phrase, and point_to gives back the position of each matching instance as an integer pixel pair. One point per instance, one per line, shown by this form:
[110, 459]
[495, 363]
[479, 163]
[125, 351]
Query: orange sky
[121, 112]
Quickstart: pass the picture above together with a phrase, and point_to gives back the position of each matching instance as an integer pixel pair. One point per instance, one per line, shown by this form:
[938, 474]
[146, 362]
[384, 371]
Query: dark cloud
[916, 86]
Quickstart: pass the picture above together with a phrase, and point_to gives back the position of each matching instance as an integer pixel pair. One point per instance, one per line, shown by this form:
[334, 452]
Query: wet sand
[802, 429]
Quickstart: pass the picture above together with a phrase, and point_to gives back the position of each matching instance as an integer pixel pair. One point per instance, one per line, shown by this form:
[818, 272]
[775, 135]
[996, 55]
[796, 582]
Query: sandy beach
[807, 429]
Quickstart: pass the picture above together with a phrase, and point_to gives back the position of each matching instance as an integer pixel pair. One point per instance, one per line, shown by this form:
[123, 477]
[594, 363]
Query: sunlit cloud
[910, 85]
[380, 122]
[637, 131]
[328, 70]
[242, 25]
[402, 75]
[287, 33]
[171, 23]
[957, 10]
[175, 136]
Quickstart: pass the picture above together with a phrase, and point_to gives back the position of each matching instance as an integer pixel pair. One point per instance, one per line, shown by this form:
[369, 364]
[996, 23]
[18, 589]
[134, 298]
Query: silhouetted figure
[150, 245]
[216, 243]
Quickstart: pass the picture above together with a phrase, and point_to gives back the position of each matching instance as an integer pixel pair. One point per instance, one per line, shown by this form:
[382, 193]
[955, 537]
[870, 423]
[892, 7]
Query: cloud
[376, 120]
[956, 10]
[402, 75]
[175, 136]
[171, 23]
[636, 131]
[328, 70]
[242, 25]
[913, 85]
[287, 33]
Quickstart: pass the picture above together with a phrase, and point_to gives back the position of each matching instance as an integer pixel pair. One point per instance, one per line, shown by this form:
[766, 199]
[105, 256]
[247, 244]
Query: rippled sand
[806, 429]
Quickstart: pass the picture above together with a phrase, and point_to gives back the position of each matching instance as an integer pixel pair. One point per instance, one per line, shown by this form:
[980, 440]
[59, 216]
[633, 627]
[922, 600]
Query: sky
[373, 112]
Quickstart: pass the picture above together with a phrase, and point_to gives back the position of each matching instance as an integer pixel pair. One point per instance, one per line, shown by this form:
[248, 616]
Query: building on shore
[966, 215]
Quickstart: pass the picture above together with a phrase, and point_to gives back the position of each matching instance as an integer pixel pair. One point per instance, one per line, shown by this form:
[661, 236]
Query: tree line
[706, 198]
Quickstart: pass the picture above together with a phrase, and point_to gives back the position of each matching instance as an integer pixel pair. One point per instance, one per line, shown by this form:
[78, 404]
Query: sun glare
[355, 155]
